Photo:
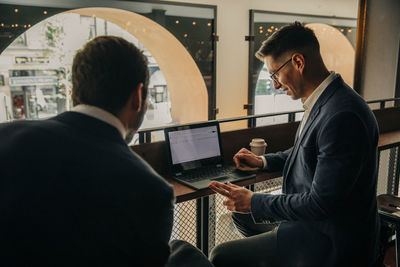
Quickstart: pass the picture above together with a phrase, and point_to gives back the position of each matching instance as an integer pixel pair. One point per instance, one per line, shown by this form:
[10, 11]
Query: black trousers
[258, 249]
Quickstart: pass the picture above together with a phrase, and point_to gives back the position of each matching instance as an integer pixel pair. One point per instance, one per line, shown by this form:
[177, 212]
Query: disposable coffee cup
[257, 146]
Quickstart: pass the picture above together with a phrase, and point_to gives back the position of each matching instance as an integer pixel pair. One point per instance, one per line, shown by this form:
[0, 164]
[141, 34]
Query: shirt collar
[312, 99]
[102, 115]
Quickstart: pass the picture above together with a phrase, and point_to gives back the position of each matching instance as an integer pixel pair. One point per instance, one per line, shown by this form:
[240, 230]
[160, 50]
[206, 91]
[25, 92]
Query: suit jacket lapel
[329, 91]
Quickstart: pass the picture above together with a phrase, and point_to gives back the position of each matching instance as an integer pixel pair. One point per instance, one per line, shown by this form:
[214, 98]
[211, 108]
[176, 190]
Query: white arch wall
[188, 93]
[336, 50]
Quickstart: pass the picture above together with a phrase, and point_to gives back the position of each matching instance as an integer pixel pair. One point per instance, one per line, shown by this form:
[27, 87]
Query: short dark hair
[294, 37]
[106, 72]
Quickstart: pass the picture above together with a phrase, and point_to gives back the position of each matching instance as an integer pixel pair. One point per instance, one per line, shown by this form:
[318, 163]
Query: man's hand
[245, 158]
[238, 199]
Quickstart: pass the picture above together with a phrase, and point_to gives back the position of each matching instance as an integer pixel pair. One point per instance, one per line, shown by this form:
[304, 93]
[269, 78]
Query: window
[338, 55]
[55, 34]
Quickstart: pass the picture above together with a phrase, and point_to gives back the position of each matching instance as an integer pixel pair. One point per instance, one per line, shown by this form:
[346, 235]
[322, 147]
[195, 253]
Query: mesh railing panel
[383, 168]
[185, 223]
[388, 171]
[221, 226]
[268, 186]
[393, 177]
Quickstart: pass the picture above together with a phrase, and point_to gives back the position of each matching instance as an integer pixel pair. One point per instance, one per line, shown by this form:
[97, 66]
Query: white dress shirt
[312, 99]
[102, 115]
[309, 104]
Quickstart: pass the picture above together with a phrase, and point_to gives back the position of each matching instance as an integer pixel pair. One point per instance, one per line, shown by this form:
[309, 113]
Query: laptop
[195, 156]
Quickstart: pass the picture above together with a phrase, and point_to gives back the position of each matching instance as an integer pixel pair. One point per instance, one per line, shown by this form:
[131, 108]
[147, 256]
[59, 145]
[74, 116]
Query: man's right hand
[245, 158]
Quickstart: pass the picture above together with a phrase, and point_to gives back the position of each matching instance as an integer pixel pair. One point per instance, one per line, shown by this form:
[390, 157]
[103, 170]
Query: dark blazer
[72, 193]
[328, 209]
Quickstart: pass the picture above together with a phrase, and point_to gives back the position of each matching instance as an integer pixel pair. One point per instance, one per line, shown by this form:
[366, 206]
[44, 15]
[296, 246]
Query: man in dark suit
[72, 192]
[327, 212]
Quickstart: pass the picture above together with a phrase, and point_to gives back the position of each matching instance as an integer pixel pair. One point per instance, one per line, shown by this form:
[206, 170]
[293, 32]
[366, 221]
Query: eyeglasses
[273, 75]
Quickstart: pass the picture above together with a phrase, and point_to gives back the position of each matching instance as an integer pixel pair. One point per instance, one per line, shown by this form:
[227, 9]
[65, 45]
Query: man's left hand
[238, 199]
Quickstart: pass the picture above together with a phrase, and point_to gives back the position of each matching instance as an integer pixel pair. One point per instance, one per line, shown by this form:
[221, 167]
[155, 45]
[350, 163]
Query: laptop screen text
[194, 144]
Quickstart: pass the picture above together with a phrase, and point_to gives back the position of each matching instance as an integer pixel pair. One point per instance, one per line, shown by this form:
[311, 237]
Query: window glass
[337, 37]
[40, 84]
[37, 45]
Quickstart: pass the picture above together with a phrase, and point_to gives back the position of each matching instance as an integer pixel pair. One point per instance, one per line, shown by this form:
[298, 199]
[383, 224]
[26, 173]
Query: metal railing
[145, 134]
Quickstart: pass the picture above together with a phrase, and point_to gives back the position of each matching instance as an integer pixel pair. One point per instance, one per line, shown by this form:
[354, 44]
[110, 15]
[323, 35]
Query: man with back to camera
[72, 192]
[327, 212]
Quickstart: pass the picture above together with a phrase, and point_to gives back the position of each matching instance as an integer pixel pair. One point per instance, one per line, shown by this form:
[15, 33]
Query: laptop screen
[194, 144]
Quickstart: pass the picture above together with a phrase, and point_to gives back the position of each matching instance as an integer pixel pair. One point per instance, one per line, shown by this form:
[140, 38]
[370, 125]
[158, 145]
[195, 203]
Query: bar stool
[389, 212]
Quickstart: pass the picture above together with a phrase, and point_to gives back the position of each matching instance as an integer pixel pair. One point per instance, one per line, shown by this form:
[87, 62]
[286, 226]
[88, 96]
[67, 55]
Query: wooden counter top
[389, 139]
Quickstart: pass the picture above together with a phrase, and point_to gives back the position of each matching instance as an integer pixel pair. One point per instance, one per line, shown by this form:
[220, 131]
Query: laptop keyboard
[206, 173]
